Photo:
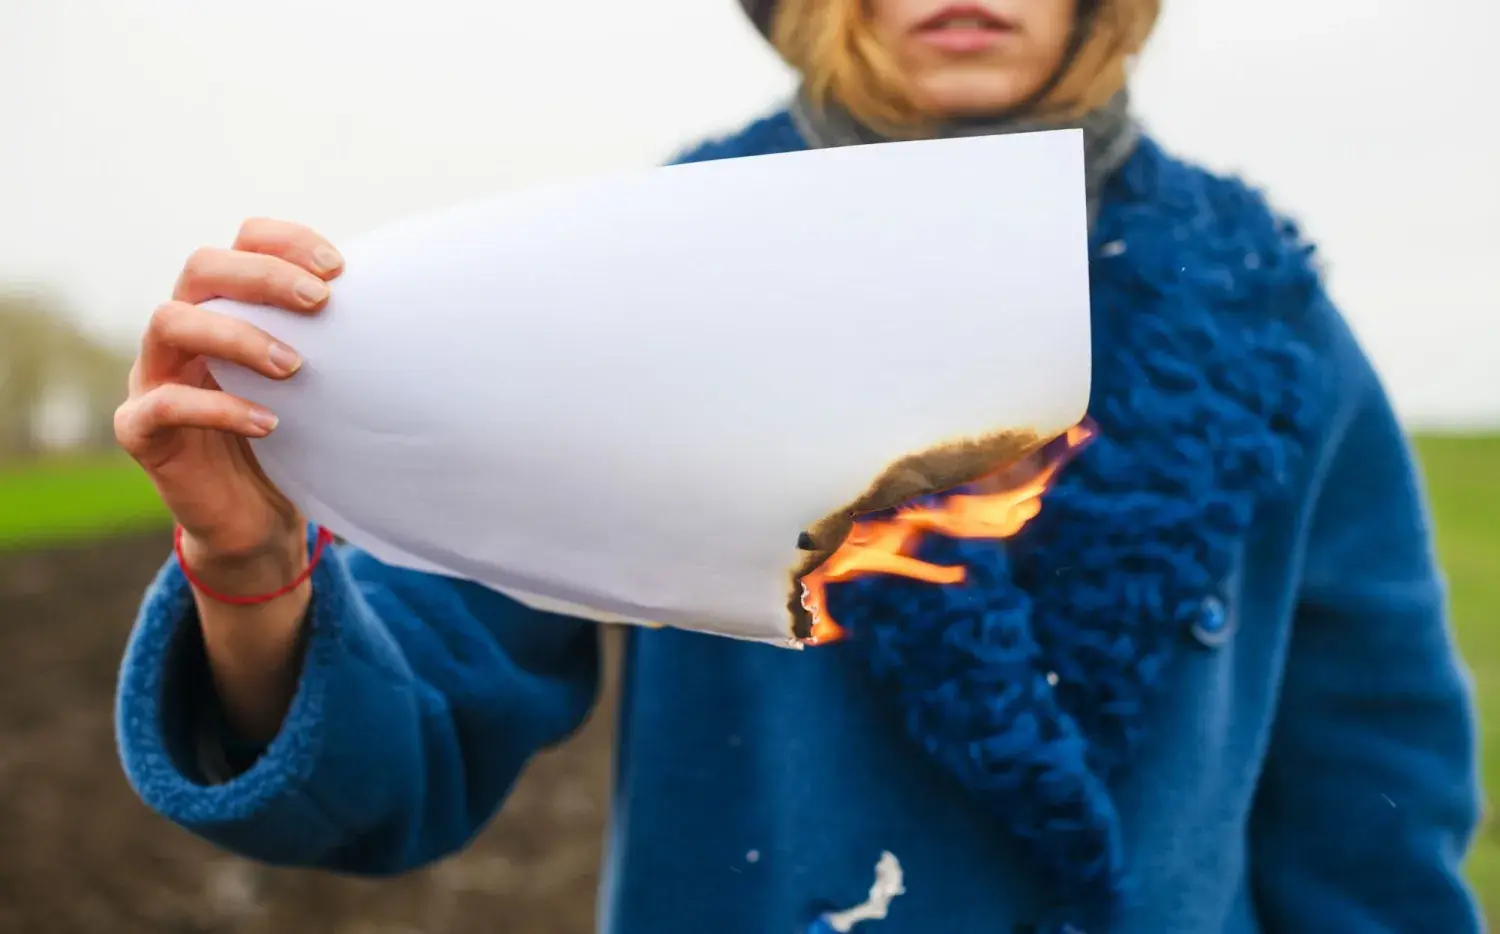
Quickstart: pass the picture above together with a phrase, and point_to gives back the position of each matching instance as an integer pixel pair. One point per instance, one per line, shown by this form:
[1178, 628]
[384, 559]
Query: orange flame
[995, 507]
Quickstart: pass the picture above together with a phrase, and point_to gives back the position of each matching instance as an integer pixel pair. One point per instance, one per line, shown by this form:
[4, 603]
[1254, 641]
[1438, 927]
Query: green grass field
[1463, 481]
[58, 500]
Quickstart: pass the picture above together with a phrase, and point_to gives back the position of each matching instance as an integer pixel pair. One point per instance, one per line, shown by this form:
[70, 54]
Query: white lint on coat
[887, 886]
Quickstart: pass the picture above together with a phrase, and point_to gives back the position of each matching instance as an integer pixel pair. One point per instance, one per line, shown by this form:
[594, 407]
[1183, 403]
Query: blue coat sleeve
[419, 702]
[1370, 794]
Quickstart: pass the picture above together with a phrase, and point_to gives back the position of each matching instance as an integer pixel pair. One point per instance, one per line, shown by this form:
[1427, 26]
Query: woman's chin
[967, 96]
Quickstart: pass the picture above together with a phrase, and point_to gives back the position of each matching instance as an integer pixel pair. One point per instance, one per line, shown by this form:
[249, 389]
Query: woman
[1209, 688]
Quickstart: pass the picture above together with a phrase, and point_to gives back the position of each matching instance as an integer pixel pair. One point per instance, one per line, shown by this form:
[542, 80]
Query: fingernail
[284, 358]
[264, 420]
[312, 291]
[327, 259]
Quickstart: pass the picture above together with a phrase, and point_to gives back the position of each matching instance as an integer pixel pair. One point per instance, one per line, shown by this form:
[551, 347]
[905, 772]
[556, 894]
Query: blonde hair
[831, 43]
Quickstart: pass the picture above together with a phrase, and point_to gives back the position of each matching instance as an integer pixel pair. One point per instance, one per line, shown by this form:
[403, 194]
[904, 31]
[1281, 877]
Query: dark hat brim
[760, 13]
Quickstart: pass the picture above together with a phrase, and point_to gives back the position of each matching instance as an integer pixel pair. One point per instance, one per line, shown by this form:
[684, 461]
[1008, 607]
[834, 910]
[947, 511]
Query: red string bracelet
[325, 538]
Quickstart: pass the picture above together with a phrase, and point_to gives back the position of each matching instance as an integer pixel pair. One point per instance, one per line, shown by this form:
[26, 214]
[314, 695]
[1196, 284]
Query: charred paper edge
[937, 469]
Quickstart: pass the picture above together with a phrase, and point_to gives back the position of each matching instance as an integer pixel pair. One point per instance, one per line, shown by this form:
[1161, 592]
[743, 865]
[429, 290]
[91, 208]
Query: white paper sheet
[625, 397]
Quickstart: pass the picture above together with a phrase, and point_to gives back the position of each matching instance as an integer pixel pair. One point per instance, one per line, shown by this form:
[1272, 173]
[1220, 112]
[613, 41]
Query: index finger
[299, 245]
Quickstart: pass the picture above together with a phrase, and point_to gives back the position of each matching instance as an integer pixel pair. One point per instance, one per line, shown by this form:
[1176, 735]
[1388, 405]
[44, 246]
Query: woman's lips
[963, 29]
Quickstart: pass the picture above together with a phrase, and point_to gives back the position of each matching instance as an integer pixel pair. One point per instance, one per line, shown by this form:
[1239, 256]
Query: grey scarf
[1109, 135]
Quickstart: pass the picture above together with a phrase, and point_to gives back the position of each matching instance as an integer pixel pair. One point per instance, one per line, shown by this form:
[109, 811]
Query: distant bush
[58, 386]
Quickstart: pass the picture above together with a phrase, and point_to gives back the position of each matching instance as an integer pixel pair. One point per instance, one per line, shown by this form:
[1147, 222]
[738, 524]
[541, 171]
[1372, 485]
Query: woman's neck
[1109, 134]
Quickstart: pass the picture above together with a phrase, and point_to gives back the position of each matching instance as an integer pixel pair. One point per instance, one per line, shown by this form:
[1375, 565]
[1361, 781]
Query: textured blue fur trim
[1204, 397]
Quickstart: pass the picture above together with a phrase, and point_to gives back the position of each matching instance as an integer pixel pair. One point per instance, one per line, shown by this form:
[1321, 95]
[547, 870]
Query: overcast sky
[135, 131]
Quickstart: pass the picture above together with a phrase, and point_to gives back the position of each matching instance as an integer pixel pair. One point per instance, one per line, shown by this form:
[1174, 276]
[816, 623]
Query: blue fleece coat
[1211, 688]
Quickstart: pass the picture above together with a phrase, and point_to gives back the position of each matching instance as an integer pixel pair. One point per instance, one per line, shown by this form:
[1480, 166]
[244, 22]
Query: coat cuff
[183, 760]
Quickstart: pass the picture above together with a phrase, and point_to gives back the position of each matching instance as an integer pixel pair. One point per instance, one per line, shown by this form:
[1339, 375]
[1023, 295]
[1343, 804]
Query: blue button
[1211, 625]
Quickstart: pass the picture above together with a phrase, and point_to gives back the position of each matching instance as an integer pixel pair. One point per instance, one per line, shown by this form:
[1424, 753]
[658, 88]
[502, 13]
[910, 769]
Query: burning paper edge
[894, 488]
[1002, 476]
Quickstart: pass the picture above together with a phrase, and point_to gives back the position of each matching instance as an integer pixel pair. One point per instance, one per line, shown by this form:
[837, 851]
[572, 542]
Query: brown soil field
[80, 854]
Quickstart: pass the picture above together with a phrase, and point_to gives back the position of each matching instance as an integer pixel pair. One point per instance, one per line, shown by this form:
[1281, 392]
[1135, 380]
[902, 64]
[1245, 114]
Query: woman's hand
[190, 436]
[241, 536]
